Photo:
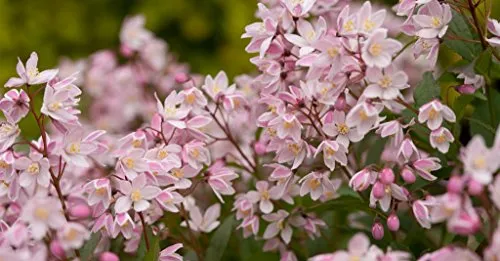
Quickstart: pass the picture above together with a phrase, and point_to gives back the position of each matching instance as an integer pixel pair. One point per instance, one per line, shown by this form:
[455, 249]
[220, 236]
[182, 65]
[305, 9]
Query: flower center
[368, 25]
[287, 125]
[33, 168]
[129, 162]
[294, 148]
[388, 190]
[349, 26]
[195, 153]
[33, 72]
[362, 115]
[136, 143]
[74, 147]
[441, 139]
[178, 173]
[314, 184]
[433, 114]
[190, 98]
[436, 21]
[100, 191]
[342, 128]
[4, 164]
[333, 51]
[162, 154]
[272, 132]
[385, 82]
[479, 162]
[71, 234]
[170, 111]
[354, 258]
[55, 106]
[375, 49]
[41, 213]
[264, 195]
[136, 195]
[329, 151]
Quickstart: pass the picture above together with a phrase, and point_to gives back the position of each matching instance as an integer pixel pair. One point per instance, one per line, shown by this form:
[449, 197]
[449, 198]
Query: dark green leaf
[482, 122]
[87, 251]
[460, 104]
[375, 151]
[427, 90]
[486, 66]
[459, 27]
[154, 247]
[154, 250]
[219, 240]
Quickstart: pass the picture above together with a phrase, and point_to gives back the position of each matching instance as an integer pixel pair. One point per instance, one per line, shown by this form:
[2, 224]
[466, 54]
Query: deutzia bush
[351, 141]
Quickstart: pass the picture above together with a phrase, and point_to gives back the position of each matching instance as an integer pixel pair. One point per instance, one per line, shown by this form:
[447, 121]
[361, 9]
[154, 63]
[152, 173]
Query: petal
[141, 205]
[123, 204]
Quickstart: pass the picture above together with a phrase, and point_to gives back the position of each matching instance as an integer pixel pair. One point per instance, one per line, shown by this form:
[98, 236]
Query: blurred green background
[204, 33]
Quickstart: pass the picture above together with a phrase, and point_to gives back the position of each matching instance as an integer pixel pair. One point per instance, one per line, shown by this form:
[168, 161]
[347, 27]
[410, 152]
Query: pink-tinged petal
[44, 76]
[31, 64]
[43, 179]
[14, 82]
[22, 163]
[125, 187]
[141, 205]
[199, 121]
[286, 234]
[212, 213]
[266, 206]
[359, 244]
[123, 204]
[26, 179]
[150, 192]
[271, 231]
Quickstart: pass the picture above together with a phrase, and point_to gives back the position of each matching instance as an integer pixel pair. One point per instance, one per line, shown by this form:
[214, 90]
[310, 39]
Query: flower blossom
[15, 105]
[137, 194]
[30, 74]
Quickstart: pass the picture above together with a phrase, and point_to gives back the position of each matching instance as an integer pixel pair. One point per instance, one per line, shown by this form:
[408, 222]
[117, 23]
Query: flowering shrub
[349, 128]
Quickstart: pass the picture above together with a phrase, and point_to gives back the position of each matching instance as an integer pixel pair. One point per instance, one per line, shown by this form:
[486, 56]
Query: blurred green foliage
[204, 33]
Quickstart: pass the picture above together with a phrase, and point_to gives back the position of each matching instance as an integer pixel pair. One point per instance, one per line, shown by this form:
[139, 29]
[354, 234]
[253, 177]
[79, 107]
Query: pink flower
[181, 176]
[262, 34]
[250, 226]
[383, 194]
[424, 167]
[220, 178]
[133, 35]
[433, 113]
[295, 152]
[196, 154]
[347, 24]
[72, 235]
[35, 170]
[363, 179]
[60, 101]
[132, 163]
[218, 86]
[123, 224]
[494, 28]
[314, 183]
[30, 74]
[377, 51]
[364, 116]
[170, 111]
[204, 223]
[466, 221]
[137, 194]
[264, 196]
[243, 207]
[357, 248]
[332, 152]
[408, 151]
[441, 138]
[7, 169]
[168, 254]
[76, 147]
[192, 98]
[340, 130]
[495, 192]
[421, 211]
[428, 48]
[308, 35]
[8, 135]
[169, 199]
[433, 19]
[298, 8]
[15, 105]
[385, 83]
[167, 156]
[99, 191]
[287, 125]
[368, 21]
[446, 206]
[278, 225]
[479, 162]
[42, 213]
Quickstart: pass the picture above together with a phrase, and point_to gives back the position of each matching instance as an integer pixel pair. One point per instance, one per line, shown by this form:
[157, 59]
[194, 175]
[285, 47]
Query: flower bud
[108, 256]
[260, 148]
[455, 184]
[378, 190]
[393, 222]
[387, 176]
[475, 188]
[57, 250]
[80, 211]
[126, 51]
[377, 230]
[465, 89]
[340, 104]
[408, 176]
[181, 78]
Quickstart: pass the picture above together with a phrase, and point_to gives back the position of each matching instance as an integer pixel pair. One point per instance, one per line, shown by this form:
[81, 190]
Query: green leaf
[87, 251]
[482, 122]
[375, 151]
[486, 66]
[460, 104]
[459, 27]
[219, 240]
[347, 203]
[427, 90]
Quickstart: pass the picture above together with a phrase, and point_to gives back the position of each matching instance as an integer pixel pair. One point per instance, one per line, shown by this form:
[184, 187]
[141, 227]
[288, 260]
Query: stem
[194, 242]
[408, 106]
[472, 9]
[489, 94]
[146, 239]
[404, 48]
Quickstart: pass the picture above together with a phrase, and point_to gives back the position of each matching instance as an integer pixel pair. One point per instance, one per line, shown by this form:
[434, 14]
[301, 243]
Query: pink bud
[340, 104]
[393, 222]
[181, 78]
[80, 211]
[108, 256]
[455, 184]
[126, 51]
[57, 250]
[475, 188]
[465, 89]
[408, 176]
[387, 176]
[377, 230]
[378, 190]
[260, 148]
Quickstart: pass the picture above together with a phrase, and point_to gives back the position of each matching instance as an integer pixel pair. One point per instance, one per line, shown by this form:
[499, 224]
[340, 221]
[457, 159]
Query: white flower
[378, 50]
[204, 223]
[136, 194]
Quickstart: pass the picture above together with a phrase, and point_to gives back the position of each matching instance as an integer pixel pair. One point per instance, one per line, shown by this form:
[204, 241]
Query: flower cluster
[341, 123]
